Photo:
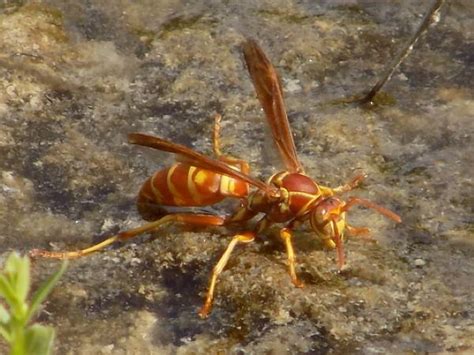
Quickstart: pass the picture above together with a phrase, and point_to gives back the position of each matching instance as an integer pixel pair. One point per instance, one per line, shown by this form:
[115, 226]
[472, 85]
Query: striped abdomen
[186, 185]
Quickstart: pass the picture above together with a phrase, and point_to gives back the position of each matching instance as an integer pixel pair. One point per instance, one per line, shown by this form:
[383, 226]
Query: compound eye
[322, 211]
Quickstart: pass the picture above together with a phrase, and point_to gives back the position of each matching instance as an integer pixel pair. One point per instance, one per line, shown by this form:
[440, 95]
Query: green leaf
[39, 340]
[7, 291]
[4, 315]
[5, 333]
[10, 264]
[44, 290]
[22, 286]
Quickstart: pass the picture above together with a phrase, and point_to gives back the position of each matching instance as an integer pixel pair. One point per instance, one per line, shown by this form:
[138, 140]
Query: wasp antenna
[339, 245]
[369, 204]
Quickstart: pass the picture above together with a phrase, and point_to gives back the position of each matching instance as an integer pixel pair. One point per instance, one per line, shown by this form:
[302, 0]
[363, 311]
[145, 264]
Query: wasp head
[328, 220]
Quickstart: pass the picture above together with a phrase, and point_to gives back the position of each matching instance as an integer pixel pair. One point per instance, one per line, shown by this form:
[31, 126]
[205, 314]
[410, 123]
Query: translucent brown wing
[269, 92]
[194, 158]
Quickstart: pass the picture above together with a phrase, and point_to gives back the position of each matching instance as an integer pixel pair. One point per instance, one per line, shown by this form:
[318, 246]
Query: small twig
[431, 17]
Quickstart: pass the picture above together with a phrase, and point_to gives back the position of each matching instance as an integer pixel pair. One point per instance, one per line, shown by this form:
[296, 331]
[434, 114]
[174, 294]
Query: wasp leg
[241, 164]
[356, 180]
[241, 215]
[239, 238]
[286, 235]
[360, 232]
[194, 219]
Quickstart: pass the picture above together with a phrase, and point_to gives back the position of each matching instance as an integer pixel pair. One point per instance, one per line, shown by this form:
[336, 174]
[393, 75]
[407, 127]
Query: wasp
[288, 198]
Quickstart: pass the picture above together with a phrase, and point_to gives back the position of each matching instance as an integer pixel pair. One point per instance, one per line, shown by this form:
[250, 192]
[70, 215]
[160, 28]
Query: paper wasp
[288, 197]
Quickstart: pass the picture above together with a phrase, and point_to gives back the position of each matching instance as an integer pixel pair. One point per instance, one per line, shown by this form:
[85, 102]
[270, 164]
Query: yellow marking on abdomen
[156, 191]
[191, 186]
[227, 185]
[177, 198]
[200, 177]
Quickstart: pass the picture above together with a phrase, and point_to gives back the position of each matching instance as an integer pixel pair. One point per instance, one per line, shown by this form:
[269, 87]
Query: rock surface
[76, 77]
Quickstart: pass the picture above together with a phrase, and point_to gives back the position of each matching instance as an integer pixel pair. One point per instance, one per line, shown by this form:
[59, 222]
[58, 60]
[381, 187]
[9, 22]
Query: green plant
[22, 337]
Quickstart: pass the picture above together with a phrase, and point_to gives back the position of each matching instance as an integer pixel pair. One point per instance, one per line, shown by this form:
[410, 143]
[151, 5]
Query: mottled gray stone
[76, 77]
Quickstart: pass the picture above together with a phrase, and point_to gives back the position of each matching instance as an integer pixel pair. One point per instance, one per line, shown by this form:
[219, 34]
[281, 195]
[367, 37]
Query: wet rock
[77, 77]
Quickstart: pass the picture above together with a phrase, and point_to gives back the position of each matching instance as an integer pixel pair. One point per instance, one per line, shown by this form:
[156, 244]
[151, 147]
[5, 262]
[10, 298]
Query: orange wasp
[289, 197]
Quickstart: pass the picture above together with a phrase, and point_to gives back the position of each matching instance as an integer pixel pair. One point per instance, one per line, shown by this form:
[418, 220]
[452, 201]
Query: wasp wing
[194, 158]
[269, 92]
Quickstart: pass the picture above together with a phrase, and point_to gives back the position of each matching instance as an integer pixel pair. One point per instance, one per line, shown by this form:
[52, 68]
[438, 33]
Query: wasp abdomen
[187, 185]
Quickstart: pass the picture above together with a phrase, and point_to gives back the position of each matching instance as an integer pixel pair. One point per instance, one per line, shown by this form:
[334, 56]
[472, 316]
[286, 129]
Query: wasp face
[326, 210]
[328, 220]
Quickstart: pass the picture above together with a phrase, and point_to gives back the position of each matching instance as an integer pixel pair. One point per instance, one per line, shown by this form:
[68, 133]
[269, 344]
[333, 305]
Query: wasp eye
[322, 211]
